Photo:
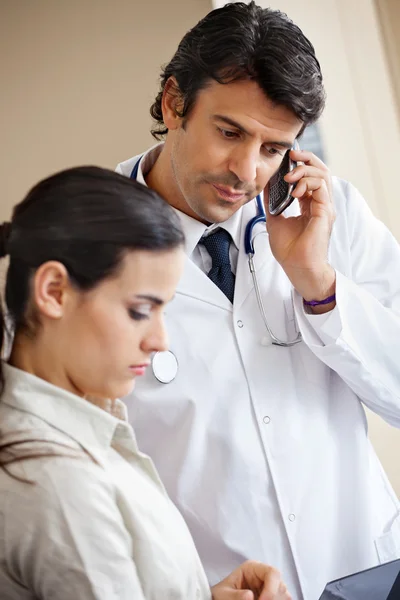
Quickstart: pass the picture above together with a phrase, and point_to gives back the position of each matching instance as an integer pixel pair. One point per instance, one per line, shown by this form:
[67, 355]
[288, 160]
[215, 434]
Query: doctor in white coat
[263, 447]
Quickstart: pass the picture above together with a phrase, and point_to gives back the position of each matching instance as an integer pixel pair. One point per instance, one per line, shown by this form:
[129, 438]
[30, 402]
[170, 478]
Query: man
[264, 447]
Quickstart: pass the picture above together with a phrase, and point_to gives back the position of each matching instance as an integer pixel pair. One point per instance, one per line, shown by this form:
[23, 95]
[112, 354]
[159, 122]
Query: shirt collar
[147, 160]
[193, 229]
[232, 226]
[81, 420]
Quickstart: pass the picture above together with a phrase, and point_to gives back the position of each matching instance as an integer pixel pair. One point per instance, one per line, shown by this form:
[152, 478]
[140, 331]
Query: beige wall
[77, 79]
[389, 17]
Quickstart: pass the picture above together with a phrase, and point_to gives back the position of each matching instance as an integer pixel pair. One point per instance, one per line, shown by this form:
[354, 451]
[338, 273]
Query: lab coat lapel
[196, 284]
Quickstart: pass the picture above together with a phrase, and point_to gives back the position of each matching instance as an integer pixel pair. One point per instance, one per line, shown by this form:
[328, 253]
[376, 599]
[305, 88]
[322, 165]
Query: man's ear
[51, 287]
[172, 104]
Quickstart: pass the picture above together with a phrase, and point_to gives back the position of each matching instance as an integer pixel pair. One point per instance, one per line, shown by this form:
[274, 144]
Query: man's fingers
[308, 158]
[304, 171]
[312, 184]
[312, 167]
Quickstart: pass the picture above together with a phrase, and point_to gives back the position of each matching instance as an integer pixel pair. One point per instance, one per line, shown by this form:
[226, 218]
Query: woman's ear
[51, 287]
[172, 104]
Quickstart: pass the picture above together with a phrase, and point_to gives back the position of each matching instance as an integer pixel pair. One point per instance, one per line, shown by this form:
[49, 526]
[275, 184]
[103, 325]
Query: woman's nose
[156, 339]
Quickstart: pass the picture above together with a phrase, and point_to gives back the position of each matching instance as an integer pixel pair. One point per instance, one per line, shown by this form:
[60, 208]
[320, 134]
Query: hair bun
[5, 230]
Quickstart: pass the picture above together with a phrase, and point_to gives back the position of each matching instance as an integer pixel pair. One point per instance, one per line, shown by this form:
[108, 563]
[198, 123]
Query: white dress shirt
[96, 522]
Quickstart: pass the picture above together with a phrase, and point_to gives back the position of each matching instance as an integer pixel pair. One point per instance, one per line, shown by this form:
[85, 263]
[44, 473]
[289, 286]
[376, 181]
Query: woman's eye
[137, 315]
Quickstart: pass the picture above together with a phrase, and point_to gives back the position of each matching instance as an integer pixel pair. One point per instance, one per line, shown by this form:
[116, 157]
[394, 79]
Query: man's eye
[274, 151]
[226, 133]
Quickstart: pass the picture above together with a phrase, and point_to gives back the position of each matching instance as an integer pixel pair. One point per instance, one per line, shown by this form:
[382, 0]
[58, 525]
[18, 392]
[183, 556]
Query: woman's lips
[138, 370]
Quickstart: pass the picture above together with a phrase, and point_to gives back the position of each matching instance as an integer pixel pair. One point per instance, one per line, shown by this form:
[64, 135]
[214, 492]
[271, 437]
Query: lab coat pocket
[388, 544]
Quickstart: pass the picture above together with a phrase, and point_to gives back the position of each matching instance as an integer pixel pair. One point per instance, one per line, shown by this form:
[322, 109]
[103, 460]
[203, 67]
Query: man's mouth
[228, 193]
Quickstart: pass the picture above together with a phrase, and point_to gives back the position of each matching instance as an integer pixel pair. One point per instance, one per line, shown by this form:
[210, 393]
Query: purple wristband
[318, 302]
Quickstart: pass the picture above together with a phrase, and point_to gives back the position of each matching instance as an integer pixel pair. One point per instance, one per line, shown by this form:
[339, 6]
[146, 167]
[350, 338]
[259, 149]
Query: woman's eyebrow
[152, 299]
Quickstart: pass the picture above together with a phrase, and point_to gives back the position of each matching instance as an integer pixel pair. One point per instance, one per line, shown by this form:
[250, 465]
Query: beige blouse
[96, 522]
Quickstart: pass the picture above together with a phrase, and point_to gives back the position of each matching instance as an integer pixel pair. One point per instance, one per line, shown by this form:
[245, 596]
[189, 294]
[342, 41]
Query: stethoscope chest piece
[165, 366]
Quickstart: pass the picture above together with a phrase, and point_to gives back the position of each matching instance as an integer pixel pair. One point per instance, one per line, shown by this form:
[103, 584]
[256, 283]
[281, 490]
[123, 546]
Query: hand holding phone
[280, 192]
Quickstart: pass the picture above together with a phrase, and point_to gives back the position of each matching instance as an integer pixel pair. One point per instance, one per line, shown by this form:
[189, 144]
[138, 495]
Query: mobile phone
[280, 192]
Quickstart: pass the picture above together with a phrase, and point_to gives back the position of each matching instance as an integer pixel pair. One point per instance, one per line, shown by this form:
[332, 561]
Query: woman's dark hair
[244, 41]
[86, 218]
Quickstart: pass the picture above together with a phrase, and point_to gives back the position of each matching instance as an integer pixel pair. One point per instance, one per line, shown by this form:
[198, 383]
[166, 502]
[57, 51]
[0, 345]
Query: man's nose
[244, 163]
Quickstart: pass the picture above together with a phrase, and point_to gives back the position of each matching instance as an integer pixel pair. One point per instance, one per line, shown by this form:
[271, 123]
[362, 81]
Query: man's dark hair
[246, 42]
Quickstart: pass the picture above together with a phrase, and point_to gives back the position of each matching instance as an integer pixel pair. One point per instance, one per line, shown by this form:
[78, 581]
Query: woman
[94, 259]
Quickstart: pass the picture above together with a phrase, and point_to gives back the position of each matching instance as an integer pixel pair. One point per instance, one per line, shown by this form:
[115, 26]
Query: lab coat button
[240, 324]
[292, 517]
[266, 420]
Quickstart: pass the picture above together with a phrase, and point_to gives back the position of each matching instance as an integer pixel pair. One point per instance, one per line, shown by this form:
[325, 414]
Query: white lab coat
[264, 449]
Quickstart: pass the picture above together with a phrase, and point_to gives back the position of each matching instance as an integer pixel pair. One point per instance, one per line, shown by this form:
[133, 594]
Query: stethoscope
[249, 249]
[165, 364]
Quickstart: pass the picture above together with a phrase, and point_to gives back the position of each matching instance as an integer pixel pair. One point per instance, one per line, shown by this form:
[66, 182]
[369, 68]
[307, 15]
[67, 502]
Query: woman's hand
[252, 581]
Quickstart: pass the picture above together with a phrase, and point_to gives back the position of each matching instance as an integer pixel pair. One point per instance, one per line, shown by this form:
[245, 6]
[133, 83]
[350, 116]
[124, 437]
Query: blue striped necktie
[217, 245]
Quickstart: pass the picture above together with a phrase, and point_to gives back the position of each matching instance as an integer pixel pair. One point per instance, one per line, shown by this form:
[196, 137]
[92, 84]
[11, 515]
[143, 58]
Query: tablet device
[379, 583]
